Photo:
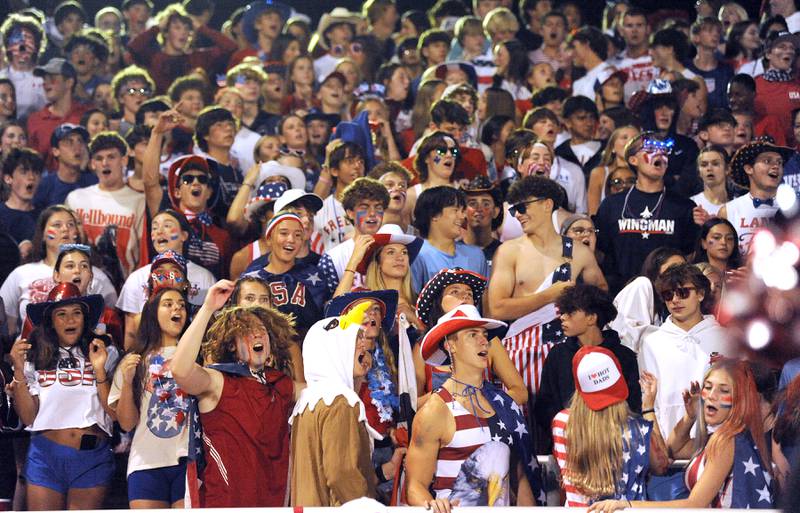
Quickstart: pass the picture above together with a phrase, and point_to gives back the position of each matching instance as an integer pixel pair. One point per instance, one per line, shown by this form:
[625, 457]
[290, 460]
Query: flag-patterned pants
[527, 351]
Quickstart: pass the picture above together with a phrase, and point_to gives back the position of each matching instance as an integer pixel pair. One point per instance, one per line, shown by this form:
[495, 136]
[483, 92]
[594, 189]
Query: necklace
[646, 213]
[470, 392]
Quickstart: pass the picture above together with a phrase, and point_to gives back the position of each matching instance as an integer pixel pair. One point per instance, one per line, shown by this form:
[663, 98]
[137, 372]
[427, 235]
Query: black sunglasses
[521, 208]
[189, 179]
[442, 151]
[143, 91]
[681, 292]
[616, 182]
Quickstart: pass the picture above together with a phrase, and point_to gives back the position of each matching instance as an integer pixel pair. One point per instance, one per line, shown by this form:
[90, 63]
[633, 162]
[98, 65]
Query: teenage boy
[706, 36]
[718, 126]
[669, 49]
[331, 96]
[136, 14]
[440, 216]
[584, 311]
[554, 32]
[518, 290]
[685, 340]
[757, 166]
[364, 202]
[22, 171]
[580, 116]
[484, 216]
[248, 78]
[131, 86]
[214, 135]
[262, 23]
[395, 178]
[433, 47]
[345, 164]
[589, 51]
[69, 147]
[635, 60]
[88, 53]
[22, 40]
[59, 84]
[111, 202]
[647, 217]
[295, 288]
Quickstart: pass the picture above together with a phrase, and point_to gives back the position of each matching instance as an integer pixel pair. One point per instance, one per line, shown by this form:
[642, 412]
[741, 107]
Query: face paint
[361, 217]
[51, 234]
[175, 235]
[725, 400]
[437, 159]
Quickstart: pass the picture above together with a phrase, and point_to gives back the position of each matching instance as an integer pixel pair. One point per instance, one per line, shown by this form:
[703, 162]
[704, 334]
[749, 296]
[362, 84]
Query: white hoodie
[677, 357]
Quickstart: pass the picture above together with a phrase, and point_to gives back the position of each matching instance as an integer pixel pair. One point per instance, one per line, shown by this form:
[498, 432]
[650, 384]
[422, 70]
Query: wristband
[325, 179]
[101, 382]
[14, 380]
[248, 185]
[651, 410]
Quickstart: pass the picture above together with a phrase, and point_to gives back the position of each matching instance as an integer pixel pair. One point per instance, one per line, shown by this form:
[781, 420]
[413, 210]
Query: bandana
[777, 75]
[203, 217]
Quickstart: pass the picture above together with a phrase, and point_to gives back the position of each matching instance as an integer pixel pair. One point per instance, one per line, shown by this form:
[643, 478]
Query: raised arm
[235, 221]
[361, 244]
[659, 461]
[125, 406]
[25, 403]
[191, 377]
[151, 177]
[508, 374]
[588, 269]
[679, 441]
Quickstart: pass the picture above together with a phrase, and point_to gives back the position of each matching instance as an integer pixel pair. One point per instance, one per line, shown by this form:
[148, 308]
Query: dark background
[592, 8]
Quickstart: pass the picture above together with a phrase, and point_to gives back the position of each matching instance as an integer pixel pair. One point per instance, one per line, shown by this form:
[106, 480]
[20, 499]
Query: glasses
[443, 151]
[580, 232]
[190, 179]
[681, 292]
[142, 91]
[618, 182]
[521, 208]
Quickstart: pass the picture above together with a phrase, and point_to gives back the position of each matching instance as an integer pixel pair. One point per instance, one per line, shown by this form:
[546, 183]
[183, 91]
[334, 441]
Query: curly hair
[219, 342]
[536, 187]
[364, 189]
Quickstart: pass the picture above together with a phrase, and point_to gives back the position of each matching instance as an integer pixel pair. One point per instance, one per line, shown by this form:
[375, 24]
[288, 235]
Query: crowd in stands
[392, 255]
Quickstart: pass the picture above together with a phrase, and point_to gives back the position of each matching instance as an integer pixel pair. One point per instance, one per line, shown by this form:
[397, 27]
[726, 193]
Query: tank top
[255, 250]
[246, 442]
[471, 434]
[747, 219]
[693, 472]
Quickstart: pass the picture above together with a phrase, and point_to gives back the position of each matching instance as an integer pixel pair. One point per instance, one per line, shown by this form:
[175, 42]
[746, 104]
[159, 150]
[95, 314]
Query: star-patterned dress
[635, 455]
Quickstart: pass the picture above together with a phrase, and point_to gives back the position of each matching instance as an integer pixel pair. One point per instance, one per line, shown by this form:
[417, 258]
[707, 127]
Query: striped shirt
[574, 498]
[693, 472]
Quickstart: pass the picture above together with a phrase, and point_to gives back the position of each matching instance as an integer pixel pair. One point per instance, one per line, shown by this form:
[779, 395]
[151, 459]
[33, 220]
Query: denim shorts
[166, 484]
[62, 468]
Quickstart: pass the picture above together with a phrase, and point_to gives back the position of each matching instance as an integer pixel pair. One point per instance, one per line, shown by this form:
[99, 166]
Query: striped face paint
[51, 234]
[724, 401]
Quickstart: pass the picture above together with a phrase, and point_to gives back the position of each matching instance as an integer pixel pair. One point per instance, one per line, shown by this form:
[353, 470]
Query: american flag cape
[196, 460]
[752, 482]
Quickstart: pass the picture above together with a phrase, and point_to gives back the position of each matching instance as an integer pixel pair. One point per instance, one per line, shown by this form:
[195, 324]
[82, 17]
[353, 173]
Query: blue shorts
[62, 468]
[165, 484]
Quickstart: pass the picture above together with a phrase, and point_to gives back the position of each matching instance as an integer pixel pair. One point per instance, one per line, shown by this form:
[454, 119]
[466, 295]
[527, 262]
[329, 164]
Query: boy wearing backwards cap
[463, 422]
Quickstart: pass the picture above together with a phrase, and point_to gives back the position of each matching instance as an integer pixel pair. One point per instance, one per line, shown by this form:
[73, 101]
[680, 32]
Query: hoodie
[677, 357]
[558, 385]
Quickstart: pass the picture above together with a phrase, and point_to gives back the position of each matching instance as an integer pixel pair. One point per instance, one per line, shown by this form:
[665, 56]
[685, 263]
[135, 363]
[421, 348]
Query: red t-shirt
[776, 100]
[41, 125]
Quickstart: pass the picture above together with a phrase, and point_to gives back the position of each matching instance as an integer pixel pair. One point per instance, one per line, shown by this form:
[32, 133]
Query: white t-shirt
[243, 146]
[640, 71]
[68, 396]
[331, 224]
[747, 219]
[584, 86]
[793, 22]
[753, 68]
[585, 151]
[29, 91]
[123, 208]
[30, 283]
[701, 200]
[133, 295]
[161, 437]
[571, 177]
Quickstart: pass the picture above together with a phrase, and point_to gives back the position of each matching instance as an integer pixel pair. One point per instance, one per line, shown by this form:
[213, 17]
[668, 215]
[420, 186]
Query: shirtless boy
[519, 290]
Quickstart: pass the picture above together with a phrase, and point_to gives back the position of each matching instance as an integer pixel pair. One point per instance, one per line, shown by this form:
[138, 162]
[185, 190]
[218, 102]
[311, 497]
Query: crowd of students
[393, 255]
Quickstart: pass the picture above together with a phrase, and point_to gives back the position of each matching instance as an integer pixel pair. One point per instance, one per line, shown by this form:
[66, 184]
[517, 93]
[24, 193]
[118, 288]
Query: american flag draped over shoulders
[752, 483]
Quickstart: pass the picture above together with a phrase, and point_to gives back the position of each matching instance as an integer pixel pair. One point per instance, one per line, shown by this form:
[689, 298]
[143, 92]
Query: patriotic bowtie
[758, 202]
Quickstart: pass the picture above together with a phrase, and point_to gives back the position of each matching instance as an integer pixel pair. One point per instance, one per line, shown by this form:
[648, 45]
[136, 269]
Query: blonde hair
[594, 455]
[609, 157]
[498, 19]
[173, 12]
[374, 278]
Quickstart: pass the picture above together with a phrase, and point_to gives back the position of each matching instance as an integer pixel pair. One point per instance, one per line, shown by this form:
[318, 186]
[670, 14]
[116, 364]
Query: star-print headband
[651, 145]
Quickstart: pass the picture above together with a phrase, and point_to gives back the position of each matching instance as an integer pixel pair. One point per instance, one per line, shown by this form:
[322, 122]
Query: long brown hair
[594, 456]
[374, 278]
[609, 156]
[219, 342]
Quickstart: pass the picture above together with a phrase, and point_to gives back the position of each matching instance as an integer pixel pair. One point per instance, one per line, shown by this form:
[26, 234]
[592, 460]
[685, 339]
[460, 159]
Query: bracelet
[651, 410]
[349, 270]
[14, 381]
[325, 179]
[248, 185]
[101, 382]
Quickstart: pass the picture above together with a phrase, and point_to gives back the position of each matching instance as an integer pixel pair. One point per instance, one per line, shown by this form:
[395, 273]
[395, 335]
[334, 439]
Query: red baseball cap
[598, 377]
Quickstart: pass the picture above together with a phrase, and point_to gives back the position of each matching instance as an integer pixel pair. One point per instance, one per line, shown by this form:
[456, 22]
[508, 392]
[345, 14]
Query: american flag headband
[657, 145]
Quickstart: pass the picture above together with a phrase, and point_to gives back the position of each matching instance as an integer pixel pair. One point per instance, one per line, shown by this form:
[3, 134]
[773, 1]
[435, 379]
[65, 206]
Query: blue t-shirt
[52, 191]
[18, 223]
[716, 82]
[431, 260]
[791, 172]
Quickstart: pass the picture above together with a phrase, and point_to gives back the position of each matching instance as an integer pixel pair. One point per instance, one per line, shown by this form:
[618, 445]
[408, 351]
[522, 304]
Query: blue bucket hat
[358, 132]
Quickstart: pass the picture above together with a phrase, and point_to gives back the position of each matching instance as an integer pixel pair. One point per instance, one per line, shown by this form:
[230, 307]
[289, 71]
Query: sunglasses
[521, 208]
[190, 179]
[443, 151]
[681, 292]
[143, 91]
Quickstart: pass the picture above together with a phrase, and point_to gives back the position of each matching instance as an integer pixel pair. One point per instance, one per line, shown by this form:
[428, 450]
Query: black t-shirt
[18, 223]
[634, 223]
